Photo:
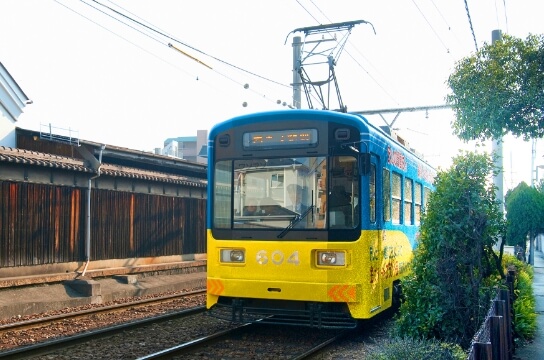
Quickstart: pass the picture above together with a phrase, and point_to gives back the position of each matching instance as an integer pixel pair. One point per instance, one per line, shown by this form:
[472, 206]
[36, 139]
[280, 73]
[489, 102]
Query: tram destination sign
[291, 138]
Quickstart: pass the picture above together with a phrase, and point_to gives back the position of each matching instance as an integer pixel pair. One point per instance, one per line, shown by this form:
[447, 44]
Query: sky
[88, 67]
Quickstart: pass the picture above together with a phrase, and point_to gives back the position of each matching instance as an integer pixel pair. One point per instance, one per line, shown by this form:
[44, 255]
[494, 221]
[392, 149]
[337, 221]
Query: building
[191, 148]
[69, 205]
[12, 102]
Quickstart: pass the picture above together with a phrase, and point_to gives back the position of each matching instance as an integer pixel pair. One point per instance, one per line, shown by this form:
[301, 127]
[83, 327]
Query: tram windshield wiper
[295, 221]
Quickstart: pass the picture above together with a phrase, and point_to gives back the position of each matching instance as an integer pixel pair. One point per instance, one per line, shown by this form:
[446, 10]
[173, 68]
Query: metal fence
[495, 338]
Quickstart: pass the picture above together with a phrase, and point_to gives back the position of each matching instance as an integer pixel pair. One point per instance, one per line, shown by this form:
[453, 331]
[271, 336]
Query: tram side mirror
[364, 161]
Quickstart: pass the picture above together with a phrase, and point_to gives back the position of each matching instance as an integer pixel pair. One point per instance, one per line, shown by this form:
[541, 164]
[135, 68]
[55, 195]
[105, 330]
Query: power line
[450, 30]
[432, 28]
[471, 28]
[149, 52]
[505, 15]
[156, 30]
[121, 37]
[309, 13]
[153, 30]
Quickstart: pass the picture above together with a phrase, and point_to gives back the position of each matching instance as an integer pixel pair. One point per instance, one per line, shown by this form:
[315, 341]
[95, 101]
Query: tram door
[375, 235]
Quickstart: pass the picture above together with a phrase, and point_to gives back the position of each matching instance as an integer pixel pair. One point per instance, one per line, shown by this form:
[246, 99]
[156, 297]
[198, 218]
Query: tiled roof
[26, 157]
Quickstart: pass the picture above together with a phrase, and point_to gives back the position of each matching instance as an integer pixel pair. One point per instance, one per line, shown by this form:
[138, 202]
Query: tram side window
[408, 184]
[343, 189]
[396, 195]
[386, 194]
[222, 198]
[372, 193]
[417, 202]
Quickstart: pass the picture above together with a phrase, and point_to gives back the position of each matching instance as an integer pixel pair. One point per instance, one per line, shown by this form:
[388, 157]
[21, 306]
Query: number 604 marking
[277, 257]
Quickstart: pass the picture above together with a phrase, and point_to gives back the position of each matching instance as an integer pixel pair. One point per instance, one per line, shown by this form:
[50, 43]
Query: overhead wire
[308, 12]
[164, 34]
[122, 37]
[450, 30]
[156, 29]
[351, 56]
[155, 32]
[471, 27]
[211, 85]
[432, 28]
[314, 96]
[498, 14]
[505, 15]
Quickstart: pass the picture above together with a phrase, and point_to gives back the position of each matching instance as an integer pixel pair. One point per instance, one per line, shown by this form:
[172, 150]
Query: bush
[412, 349]
[524, 302]
[453, 271]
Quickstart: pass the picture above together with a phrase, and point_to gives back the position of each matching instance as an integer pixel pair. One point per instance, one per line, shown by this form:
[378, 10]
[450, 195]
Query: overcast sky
[85, 69]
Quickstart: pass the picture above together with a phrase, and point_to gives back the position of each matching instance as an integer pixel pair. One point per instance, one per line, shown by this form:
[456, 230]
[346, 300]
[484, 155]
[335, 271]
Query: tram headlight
[331, 258]
[233, 255]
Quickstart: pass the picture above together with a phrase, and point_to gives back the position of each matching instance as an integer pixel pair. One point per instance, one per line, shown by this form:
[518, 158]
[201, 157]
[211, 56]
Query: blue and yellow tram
[312, 217]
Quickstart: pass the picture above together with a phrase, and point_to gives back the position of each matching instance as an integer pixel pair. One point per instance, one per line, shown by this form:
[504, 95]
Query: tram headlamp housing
[233, 255]
[331, 258]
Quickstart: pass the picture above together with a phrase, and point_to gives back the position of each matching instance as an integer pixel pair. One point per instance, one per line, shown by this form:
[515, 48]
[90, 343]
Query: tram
[312, 217]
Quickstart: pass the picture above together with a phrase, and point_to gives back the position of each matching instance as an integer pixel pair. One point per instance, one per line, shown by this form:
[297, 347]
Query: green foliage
[524, 303]
[451, 283]
[540, 186]
[525, 213]
[411, 349]
[499, 90]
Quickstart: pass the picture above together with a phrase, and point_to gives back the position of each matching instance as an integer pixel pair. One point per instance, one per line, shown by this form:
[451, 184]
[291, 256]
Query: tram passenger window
[396, 195]
[372, 194]
[386, 195]
[417, 202]
[408, 184]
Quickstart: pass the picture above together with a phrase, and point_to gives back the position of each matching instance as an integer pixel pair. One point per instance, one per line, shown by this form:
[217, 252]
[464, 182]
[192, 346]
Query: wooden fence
[45, 224]
[495, 338]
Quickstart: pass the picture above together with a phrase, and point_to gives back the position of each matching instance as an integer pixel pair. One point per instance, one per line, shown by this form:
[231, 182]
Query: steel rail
[110, 308]
[45, 347]
[192, 345]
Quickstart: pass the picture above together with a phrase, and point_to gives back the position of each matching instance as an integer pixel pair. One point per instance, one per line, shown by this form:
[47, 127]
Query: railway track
[17, 326]
[273, 342]
[192, 334]
[116, 325]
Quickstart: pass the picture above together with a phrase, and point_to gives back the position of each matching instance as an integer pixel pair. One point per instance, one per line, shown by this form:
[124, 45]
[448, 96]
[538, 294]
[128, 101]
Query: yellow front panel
[284, 270]
[285, 290]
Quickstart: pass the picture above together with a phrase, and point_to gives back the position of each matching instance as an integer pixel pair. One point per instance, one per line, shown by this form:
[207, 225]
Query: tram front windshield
[275, 193]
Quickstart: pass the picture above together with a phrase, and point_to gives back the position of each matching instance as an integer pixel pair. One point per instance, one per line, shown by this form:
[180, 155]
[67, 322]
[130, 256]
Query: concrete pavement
[535, 349]
[28, 300]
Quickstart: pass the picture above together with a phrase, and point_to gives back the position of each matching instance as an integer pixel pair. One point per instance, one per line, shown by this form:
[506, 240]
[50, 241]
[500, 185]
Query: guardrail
[495, 338]
[53, 133]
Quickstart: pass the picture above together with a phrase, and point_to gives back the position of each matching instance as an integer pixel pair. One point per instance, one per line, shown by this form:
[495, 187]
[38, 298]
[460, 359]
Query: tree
[524, 213]
[450, 285]
[499, 90]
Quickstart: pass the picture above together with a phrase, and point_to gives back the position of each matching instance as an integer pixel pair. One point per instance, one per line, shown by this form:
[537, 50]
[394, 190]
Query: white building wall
[12, 102]
[7, 128]
[201, 141]
[171, 149]
[189, 149]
